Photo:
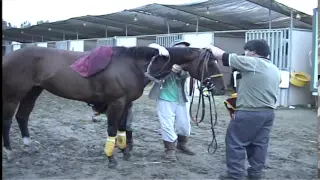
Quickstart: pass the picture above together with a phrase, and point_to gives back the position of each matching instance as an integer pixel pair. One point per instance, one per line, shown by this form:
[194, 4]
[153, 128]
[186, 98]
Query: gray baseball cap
[177, 42]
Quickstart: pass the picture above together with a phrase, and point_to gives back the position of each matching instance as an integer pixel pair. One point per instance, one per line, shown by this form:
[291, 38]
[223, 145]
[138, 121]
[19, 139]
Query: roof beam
[68, 31]
[26, 32]
[259, 3]
[125, 23]
[195, 14]
[152, 14]
[103, 25]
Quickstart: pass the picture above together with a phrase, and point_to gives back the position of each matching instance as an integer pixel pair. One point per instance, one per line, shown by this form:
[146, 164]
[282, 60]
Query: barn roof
[213, 15]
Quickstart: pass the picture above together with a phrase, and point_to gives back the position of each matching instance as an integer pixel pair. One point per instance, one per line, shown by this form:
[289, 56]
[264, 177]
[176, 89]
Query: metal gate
[278, 41]
[107, 42]
[167, 40]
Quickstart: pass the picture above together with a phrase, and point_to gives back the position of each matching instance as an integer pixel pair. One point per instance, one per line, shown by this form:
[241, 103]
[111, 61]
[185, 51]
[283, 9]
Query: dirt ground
[71, 146]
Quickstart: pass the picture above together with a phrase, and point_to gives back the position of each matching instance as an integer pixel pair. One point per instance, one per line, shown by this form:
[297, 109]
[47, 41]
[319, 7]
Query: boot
[182, 145]
[129, 140]
[170, 152]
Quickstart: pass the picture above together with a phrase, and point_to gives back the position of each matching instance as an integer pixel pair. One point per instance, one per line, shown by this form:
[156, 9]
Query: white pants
[173, 117]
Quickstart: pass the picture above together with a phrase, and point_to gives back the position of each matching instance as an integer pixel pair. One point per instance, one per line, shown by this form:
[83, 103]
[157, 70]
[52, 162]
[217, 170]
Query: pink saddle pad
[96, 61]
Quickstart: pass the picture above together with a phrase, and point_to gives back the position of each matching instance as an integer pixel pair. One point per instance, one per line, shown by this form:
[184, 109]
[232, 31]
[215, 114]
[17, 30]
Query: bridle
[159, 74]
[205, 85]
[206, 90]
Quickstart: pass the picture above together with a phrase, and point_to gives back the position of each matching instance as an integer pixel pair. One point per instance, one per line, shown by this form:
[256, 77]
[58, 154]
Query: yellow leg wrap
[121, 139]
[109, 146]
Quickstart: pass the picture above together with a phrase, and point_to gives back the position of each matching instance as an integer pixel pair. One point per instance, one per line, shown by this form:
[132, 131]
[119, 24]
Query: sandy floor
[71, 146]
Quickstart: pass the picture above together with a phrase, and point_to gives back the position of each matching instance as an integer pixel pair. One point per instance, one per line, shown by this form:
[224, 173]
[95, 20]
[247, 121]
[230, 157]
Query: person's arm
[241, 63]
[183, 74]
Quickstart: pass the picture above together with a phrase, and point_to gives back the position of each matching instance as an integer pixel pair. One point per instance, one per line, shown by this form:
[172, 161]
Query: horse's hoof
[126, 154]
[112, 163]
[30, 149]
[95, 120]
[11, 155]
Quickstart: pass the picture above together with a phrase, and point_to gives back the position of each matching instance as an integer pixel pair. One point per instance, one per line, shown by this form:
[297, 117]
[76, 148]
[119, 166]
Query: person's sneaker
[254, 177]
[228, 176]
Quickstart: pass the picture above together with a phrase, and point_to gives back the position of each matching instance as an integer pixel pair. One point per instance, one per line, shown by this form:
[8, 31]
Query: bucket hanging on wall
[299, 79]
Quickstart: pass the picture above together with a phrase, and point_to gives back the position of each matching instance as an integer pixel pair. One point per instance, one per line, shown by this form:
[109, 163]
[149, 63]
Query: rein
[206, 90]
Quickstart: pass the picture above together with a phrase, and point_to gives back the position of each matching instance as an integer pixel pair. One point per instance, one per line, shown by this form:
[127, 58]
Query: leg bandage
[109, 146]
[121, 139]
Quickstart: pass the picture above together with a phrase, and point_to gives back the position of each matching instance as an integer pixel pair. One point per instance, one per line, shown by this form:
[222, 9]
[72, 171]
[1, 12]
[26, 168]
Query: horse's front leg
[114, 114]
[126, 125]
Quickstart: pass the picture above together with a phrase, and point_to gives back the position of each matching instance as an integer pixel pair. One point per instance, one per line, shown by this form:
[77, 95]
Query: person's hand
[176, 68]
[217, 52]
[162, 50]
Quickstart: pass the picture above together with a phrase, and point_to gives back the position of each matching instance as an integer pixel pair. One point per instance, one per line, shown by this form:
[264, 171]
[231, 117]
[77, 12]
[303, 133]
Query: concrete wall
[76, 45]
[62, 45]
[145, 42]
[199, 40]
[89, 45]
[300, 62]
[42, 44]
[229, 44]
[52, 45]
[126, 41]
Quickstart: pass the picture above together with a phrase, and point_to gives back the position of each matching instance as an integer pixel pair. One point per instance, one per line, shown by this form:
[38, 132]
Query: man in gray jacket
[171, 108]
[248, 131]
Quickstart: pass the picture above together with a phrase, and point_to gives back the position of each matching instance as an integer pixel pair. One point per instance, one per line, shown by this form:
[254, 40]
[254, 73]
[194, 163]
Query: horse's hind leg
[25, 108]
[8, 110]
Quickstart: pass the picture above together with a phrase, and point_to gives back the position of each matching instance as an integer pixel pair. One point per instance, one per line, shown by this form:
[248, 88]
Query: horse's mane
[139, 52]
[180, 52]
[145, 52]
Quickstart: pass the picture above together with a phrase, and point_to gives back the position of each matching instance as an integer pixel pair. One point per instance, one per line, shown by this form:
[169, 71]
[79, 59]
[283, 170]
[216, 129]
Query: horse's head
[201, 65]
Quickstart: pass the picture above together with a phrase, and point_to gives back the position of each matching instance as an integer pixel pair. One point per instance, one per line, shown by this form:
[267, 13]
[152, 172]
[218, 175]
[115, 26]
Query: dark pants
[248, 132]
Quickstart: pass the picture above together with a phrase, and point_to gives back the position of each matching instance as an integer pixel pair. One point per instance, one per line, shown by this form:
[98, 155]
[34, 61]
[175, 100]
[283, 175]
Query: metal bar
[272, 47]
[281, 50]
[291, 18]
[276, 59]
[64, 35]
[77, 35]
[126, 31]
[168, 27]
[106, 30]
[270, 20]
[197, 27]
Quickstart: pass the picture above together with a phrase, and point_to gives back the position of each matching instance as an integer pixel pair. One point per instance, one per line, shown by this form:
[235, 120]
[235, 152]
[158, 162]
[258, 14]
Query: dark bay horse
[28, 71]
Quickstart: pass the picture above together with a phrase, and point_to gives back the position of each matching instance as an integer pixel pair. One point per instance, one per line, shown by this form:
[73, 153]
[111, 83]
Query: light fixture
[49, 29]
[21, 32]
[298, 16]
[84, 24]
[208, 10]
[187, 24]
[135, 18]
